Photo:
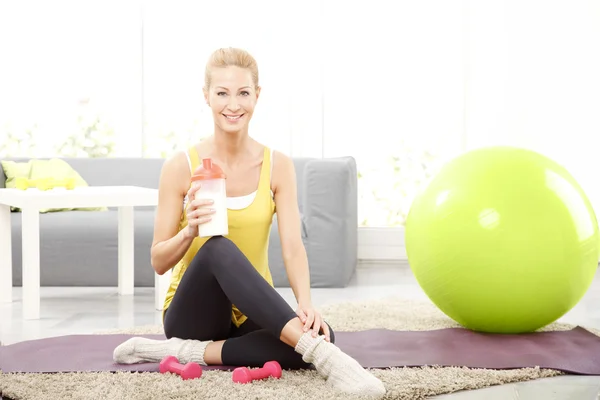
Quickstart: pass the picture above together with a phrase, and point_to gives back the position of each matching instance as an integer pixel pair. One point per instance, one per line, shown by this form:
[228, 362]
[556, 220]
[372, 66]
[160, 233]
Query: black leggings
[219, 275]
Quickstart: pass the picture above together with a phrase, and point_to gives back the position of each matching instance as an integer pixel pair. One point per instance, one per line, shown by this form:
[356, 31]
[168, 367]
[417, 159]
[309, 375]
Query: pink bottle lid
[208, 170]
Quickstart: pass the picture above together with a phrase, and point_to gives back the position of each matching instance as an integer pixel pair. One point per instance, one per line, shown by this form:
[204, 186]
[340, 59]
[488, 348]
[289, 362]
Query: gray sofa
[79, 248]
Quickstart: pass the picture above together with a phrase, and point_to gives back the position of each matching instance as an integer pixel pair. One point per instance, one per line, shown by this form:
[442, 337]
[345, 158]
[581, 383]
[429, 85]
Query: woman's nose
[233, 105]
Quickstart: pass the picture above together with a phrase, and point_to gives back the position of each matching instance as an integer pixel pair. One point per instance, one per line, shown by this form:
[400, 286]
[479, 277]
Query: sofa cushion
[79, 248]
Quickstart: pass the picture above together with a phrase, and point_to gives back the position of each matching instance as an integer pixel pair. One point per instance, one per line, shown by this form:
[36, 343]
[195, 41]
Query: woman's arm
[170, 244]
[288, 220]
[294, 253]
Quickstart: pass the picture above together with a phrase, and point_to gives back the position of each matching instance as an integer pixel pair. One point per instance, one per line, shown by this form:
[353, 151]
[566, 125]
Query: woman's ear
[205, 92]
[257, 91]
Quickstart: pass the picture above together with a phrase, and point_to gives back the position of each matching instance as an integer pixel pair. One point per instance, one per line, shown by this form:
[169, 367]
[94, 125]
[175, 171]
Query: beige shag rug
[401, 383]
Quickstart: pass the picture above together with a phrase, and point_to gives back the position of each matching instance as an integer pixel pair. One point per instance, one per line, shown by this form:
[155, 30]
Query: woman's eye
[220, 93]
[245, 93]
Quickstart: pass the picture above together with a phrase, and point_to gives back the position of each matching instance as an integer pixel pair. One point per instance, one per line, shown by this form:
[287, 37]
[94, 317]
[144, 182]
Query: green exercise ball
[503, 240]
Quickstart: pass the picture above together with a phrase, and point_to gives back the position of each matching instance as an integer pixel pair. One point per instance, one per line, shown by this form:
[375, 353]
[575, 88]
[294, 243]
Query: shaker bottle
[212, 186]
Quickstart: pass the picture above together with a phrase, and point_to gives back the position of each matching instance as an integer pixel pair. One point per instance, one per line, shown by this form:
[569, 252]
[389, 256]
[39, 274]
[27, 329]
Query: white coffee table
[31, 201]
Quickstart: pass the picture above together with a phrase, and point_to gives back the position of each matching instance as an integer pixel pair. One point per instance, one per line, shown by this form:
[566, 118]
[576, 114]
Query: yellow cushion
[14, 170]
[51, 173]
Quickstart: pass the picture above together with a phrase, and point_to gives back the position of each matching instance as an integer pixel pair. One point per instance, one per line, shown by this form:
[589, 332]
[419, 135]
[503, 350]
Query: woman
[221, 307]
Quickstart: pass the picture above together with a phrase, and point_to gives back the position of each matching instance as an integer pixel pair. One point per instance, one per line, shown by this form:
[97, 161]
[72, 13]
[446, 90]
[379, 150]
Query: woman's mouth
[233, 117]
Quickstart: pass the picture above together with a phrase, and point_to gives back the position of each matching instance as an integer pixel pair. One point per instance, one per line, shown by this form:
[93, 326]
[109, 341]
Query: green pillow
[43, 169]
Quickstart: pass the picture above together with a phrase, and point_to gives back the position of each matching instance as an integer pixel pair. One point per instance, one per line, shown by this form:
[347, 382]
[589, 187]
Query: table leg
[126, 250]
[5, 255]
[31, 263]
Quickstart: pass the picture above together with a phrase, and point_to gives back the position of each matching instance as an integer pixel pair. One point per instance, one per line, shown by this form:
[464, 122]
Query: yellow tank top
[249, 229]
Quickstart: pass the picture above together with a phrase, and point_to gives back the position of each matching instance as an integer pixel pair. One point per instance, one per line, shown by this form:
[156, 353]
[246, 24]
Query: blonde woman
[221, 307]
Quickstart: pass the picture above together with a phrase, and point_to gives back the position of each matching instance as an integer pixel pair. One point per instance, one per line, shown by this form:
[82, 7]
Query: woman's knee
[210, 252]
[218, 242]
[214, 249]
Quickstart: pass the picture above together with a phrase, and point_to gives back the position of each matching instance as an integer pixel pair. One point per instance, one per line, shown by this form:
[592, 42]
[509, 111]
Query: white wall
[533, 80]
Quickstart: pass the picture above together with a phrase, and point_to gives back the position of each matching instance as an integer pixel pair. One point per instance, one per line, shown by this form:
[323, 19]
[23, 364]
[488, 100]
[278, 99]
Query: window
[393, 97]
[70, 80]
[536, 85]
[402, 87]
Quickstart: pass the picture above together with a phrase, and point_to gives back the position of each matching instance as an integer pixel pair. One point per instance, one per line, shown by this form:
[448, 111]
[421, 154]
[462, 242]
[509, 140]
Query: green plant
[18, 143]
[163, 142]
[387, 188]
[93, 138]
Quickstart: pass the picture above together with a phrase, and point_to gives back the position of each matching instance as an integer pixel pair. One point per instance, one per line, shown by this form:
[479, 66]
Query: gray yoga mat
[576, 351]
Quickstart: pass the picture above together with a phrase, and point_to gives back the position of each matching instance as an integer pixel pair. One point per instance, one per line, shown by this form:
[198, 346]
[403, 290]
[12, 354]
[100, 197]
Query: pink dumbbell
[245, 375]
[188, 371]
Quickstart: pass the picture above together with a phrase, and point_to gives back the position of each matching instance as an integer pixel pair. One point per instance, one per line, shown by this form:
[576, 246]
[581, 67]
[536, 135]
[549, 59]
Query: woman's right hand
[198, 212]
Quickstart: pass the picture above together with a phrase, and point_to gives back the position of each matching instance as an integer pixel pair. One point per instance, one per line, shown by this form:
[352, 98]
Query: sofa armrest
[2, 178]
[330, 198]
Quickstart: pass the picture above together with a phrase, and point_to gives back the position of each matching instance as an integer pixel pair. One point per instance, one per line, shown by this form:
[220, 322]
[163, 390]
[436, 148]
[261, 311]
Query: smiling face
[232, 97]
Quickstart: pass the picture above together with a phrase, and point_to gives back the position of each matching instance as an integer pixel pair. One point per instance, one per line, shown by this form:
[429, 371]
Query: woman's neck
[231, 146]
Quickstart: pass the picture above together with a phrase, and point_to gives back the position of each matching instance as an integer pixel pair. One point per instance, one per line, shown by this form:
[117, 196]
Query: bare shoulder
[172, 188]
[281, 160]
[178, 161]
[284, 172]
[176, 172]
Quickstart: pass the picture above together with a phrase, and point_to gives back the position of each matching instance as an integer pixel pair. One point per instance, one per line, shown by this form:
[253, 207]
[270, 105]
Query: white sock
[139, 349]
[341, 371]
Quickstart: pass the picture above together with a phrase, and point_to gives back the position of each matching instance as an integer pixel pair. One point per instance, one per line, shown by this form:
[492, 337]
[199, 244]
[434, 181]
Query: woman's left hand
[312, 319]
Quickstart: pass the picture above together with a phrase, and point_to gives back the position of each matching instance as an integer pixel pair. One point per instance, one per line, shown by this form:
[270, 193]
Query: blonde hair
[230, 57]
